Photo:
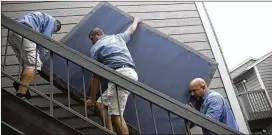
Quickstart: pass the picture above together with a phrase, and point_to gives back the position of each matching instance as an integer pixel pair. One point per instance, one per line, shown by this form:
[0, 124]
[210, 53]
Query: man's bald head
[198, 81]
[198, 87]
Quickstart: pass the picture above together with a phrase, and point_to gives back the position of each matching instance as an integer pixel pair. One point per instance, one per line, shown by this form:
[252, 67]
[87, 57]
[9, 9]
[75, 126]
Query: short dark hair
[58, 25]
[96, 31]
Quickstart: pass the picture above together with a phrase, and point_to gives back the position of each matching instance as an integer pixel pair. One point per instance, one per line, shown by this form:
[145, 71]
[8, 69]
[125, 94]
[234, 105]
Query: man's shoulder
[94, 48]
[214, 93]
[38, 14]
[98, 45]
[214, 96]
[109, 40]
[105, 38]
[44, 16]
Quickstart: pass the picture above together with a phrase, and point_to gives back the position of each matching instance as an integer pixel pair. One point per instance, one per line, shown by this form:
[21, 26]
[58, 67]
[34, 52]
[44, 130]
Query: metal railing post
[51, 83]
[102, 102]
[153, 117]
[6, 51]
[36, 59]
[137, 116]
[187, 126]
[21, 57]
[84, 94]
[170, 121]
[68, 82]
[118, 103]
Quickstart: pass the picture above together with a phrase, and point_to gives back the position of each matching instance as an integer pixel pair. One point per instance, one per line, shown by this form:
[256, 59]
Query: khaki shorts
[110, 97]
[28, 51]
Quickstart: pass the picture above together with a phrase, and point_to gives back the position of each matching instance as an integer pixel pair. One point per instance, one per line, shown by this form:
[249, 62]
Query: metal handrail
[135, 87]
[13, 128]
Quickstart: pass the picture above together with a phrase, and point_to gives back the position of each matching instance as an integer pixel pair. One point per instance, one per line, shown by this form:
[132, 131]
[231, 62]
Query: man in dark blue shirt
[111, 50]
[213, 104]
[39, 22]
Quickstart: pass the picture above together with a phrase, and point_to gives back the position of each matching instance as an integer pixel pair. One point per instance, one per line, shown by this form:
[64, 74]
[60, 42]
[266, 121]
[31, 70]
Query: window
[241, 87]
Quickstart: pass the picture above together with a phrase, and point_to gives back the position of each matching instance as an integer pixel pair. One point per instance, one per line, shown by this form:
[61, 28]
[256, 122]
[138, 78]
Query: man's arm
[93, 79]
[134, 25]
[94, 83]
[131, 29]
[215, 108]
[91, 102]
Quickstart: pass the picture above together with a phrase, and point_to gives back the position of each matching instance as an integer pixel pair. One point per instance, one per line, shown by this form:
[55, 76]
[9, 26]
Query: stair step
[62, 113]
[42, 102]
[91, 131]
[29, 119]
[9, 51]
[44, 88]
[12, 69]
[77, 122]
[10, 60]
[6, 82]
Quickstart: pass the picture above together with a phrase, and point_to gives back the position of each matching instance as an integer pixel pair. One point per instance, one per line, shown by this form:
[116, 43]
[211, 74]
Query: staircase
[59, 113]
[29, 119]
[60, 95]
[70, 110]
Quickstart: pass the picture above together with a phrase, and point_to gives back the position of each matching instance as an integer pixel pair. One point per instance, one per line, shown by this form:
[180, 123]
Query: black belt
[129, 66]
